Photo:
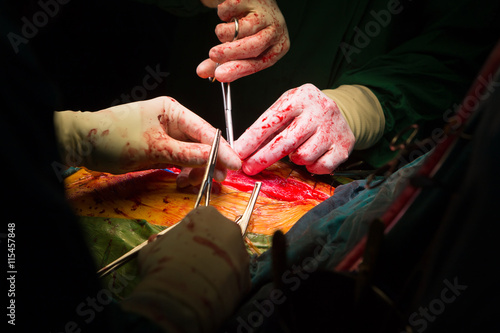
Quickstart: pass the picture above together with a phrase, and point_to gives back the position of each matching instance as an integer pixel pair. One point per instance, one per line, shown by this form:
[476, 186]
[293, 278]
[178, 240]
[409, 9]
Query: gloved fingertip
[200, 72]
[235, 166]
[319, 169]
[239, 149]
[205, 69]
[216, 54]
[226, 75]
[234, 163]
[220, 174]
[182, 181]
[250, 170]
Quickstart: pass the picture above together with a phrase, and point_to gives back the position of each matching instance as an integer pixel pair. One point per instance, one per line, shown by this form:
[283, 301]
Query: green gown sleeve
[426, 75]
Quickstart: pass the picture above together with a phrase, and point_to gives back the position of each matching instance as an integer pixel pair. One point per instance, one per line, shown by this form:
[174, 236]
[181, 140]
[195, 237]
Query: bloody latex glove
[155, 133]
[262, 40]
[304, 124]
[194, 276]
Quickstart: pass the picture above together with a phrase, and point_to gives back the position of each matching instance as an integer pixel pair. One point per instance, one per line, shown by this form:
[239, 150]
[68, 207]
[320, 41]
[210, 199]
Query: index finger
[233, 70]
[272, 121]
[282, 145]
[192, 126]
[206, 69]
[245, 48]
[268, 124]
[227, 157]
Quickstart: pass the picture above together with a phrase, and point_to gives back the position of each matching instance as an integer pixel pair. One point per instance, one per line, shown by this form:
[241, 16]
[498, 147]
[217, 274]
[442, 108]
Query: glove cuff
[362, 111]
[71, 147]
[98, 140]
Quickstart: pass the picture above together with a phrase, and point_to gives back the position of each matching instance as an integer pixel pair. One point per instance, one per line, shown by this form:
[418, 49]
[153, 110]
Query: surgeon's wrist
[362, 111]
[98, 140]
[71, 148]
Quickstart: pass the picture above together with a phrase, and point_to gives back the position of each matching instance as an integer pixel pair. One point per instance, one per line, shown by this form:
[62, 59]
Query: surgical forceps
[127, 256]
[228, 108]
[243, 219]
[206, 185]
[205, 189]
[226, 96]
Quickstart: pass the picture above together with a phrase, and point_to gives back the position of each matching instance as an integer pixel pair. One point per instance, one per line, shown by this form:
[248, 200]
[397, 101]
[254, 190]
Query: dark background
[98, 51]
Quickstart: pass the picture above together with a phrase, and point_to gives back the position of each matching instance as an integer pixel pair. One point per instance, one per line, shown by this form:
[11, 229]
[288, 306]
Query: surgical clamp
[206, 185]
[205, 189]
[226, 95]
[243, 219]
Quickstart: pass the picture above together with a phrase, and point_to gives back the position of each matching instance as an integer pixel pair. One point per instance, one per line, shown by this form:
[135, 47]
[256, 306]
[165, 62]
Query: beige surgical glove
[193, 276]
[155, 133]
[363, 112]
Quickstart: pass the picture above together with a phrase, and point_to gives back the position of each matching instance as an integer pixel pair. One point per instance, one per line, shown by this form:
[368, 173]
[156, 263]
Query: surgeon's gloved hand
[193, 276]
[155, 133]
[304, 124]
[262, 40]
